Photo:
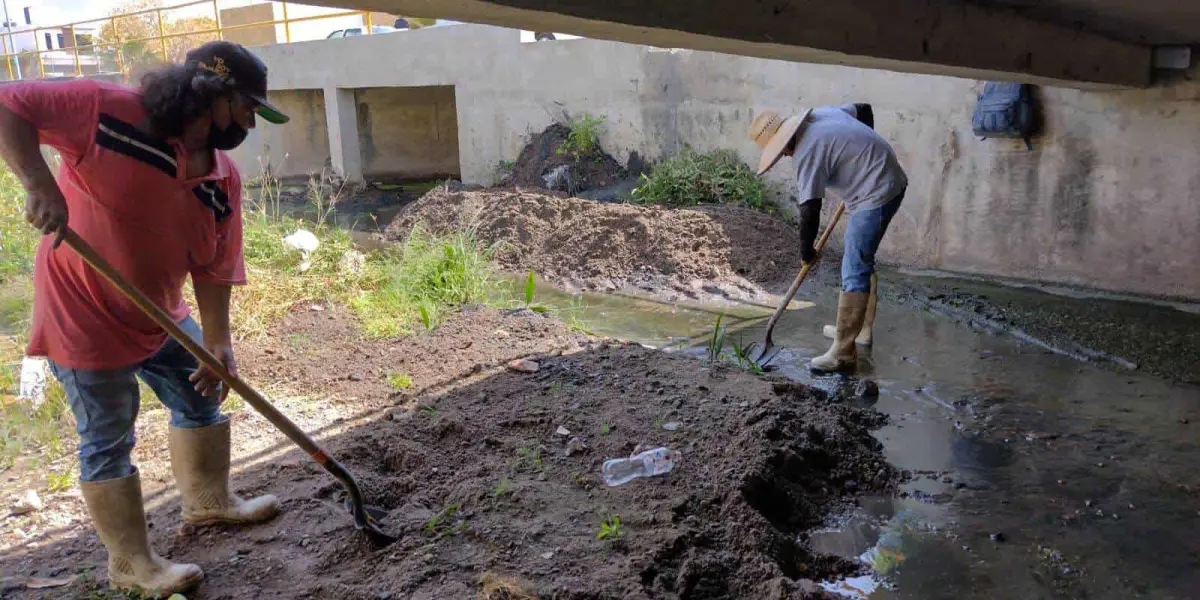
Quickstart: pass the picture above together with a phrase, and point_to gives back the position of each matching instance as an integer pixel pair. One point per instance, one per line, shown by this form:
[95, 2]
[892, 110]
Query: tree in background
[127, 46]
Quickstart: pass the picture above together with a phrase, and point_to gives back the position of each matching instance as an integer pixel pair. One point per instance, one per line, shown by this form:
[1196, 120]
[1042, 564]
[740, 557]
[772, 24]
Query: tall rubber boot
[866, 336]
[200, 460]
[116, 509]
[852, 310]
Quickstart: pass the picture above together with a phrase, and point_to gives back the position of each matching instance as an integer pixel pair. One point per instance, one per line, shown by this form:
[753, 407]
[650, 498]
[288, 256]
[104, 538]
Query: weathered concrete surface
[945, 37]
[296, 150]
[1107, 199]
[408, 132]
[1141, 22]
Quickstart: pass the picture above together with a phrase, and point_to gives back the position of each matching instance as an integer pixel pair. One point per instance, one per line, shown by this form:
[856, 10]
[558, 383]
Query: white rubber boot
[200, 460]
[116, 509]
[852, 310]
[866, 336]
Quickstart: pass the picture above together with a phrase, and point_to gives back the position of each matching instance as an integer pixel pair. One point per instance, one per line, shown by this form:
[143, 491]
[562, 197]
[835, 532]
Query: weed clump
[583, 140]
[691, 178]
[428, 276]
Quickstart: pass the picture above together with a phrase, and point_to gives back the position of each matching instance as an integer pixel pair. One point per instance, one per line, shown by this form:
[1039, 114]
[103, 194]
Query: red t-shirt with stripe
[128, 196]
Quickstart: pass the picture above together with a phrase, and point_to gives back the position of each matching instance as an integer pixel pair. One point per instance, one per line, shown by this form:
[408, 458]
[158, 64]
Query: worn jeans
[105, 404]
[863, 234]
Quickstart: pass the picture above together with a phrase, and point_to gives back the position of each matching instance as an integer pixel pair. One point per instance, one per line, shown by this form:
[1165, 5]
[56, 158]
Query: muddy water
[1035, 476]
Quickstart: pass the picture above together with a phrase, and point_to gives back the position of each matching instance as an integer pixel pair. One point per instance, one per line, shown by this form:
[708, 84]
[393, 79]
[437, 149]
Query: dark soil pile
[541, 156]
[492, 476]
[722, 249]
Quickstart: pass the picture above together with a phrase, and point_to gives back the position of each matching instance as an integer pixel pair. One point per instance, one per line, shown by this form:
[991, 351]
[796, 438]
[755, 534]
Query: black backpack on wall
[1005, 110]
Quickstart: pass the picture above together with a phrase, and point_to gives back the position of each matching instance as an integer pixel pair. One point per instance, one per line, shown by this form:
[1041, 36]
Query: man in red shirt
[144, 180]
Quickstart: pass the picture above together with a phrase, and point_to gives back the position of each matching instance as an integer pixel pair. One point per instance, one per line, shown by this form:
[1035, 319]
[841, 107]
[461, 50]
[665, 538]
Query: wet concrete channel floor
[1035, 475]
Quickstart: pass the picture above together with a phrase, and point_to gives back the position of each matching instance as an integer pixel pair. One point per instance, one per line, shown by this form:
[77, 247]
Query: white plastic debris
[306, 242]
[33, 380]
[27, 503]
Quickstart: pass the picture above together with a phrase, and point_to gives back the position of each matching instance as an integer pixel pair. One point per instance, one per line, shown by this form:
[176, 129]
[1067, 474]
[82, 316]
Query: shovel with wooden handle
[365, 517]
[769, 352]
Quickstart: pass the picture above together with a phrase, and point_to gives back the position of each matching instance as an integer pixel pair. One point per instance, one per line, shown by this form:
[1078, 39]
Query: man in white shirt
[837, 148]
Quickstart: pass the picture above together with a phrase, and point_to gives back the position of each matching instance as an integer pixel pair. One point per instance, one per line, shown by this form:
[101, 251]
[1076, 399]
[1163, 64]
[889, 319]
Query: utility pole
[9, 42]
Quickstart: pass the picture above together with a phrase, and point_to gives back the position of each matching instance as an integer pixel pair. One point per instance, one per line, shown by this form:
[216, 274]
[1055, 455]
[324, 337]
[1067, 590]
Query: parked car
[353, 31]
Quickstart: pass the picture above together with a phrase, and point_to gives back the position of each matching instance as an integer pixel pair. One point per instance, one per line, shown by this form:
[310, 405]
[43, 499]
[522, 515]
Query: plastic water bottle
[646, 464]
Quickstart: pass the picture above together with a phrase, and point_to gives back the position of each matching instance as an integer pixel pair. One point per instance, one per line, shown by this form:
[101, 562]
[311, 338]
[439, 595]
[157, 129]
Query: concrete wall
[1107, 199]
[300, 148]
[263, 35]
[410, 132]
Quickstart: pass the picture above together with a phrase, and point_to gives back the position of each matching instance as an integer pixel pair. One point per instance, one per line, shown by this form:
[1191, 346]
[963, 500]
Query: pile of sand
[720, 250]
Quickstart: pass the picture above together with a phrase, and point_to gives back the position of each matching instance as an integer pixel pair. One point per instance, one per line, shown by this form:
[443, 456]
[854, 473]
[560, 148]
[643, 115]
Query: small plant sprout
[605, 429]
[530, 287]
[443, 523]
[716, 341]
[610, 529]
[529, 460]
[501, 488]
[400, 381]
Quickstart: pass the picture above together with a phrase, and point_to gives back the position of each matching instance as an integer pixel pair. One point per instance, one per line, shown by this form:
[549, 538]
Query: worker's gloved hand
[810, 222]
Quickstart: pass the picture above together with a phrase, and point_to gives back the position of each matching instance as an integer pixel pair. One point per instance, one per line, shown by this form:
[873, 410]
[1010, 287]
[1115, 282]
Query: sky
[57, 12]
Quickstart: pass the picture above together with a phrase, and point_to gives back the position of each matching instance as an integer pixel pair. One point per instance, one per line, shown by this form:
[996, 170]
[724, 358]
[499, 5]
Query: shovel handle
[791, 293]
[357, 505]
[202, 354]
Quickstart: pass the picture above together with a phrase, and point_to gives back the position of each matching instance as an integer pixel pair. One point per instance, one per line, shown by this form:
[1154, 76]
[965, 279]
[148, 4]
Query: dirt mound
[541, 157]
[721, 250]
[492, 477]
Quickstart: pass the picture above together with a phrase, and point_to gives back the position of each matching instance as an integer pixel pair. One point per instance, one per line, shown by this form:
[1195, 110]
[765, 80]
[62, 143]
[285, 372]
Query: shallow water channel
[1035, 475]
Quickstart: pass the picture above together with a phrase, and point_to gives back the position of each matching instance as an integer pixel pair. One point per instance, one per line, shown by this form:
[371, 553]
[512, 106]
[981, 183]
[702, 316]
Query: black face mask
[227, 139]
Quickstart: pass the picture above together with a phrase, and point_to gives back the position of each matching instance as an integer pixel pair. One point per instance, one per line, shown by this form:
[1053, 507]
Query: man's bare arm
[45, 206]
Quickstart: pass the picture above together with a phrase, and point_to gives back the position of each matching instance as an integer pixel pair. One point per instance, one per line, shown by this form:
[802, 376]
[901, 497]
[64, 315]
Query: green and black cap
[243, 70]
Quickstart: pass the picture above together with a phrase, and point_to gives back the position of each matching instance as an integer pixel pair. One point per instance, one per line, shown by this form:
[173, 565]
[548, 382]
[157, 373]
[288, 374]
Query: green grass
[503, 169]
[43, 431]
[400, 381]
[741, 353]
[529, 460]
[424, 280]
[584, 137]
[18, 240]
[691, 178]
[60, 481]
[444, 523]
[501, 488]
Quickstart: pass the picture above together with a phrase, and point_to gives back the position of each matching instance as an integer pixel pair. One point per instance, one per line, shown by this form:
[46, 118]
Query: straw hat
[772, 134]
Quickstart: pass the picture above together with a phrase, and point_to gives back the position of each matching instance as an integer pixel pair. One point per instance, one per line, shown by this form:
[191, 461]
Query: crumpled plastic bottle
[618, 471]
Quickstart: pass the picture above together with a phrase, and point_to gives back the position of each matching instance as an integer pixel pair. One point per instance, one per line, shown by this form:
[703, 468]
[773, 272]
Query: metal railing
[100, 49]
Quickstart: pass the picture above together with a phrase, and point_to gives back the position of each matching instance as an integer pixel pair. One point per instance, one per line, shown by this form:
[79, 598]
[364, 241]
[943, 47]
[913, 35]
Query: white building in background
[23, 33]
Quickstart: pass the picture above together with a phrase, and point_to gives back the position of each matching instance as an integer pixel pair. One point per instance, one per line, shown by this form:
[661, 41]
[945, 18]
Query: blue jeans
[863, 234]
[105, 404]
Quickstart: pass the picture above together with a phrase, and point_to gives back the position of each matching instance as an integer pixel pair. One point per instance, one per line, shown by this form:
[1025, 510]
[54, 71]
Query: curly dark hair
[174, 96]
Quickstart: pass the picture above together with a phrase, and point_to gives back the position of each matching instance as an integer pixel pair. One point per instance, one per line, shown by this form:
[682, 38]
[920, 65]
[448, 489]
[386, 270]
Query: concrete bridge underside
[1072, 43]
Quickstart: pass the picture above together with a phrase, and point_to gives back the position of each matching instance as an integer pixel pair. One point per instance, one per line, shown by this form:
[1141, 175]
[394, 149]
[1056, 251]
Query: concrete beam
[341, 118]
[938, 37]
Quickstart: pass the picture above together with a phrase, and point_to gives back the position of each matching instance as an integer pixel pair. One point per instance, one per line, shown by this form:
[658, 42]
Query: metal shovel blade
[768, 354]
[366, 519]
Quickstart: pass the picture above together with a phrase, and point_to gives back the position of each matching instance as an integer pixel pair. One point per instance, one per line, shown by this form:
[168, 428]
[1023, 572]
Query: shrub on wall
[691, 178]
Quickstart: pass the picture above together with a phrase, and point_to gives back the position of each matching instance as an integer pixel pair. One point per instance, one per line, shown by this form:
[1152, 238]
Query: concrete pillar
[341, 118]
